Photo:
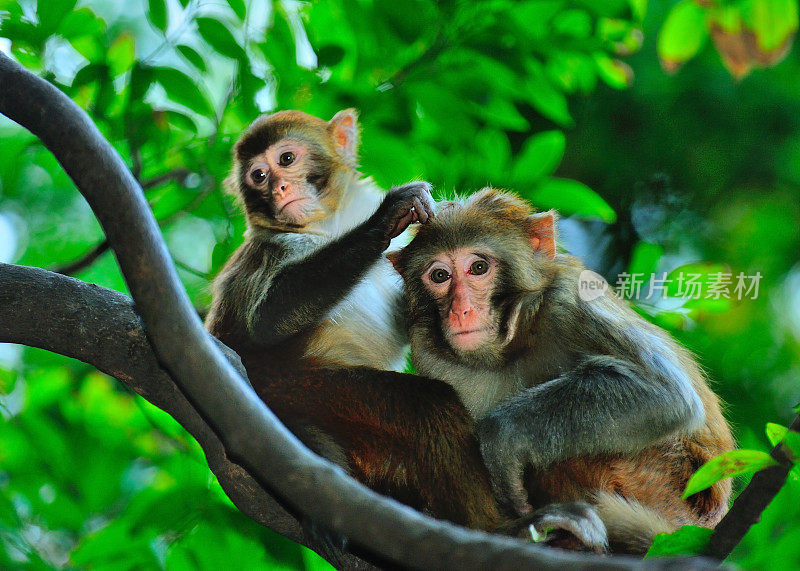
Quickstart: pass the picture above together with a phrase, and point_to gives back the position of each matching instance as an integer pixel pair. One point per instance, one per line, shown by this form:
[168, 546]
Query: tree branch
[250, 434]
[748, 506]
[91, 256]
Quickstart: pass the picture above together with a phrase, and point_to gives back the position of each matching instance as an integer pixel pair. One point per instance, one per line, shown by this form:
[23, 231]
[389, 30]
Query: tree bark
[261, 454]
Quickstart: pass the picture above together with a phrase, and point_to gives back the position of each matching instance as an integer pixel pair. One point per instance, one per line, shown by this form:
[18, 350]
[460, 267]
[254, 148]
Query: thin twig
[91, 256]
[748, 507]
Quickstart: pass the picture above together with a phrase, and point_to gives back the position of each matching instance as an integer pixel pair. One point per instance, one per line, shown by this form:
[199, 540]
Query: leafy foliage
[560, 100]
[688, 540]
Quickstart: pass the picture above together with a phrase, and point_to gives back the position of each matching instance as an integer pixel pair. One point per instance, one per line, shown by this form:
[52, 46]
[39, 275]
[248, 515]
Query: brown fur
[407, 437]
[550, 332]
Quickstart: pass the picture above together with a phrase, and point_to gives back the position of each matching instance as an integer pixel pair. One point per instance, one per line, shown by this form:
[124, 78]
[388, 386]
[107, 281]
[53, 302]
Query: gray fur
[569, 378]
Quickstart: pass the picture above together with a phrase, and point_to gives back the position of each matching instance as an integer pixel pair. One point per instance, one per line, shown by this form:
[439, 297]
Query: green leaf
[52, 12]
[540, 156]
[81, 22]
[775, 433]
[772, 21]
[545, 98]
[194, 58]
[727, 465]
[792, 442]
[645, 258]
[494, 151]
[239, 8]
[181, 89]
[157, 14]
[89, 73]
[569, 197]
[688, 540]
[615, 73]
[683, 34]
[219, 37]
[121, 55]
[573, 23]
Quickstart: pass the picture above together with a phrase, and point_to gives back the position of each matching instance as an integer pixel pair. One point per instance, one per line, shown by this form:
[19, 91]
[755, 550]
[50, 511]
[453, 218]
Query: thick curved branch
[250, 434]
[100, 326]
[754, 499]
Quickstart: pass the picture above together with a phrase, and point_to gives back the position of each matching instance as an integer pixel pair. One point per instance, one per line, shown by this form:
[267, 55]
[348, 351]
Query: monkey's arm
[302, 293]
[606, 404]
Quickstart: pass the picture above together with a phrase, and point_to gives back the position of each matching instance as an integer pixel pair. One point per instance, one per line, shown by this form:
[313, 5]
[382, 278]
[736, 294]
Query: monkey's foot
[573, 525]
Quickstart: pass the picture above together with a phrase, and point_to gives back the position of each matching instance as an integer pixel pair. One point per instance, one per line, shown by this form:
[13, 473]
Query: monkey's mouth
[294, 201]
[469, 339]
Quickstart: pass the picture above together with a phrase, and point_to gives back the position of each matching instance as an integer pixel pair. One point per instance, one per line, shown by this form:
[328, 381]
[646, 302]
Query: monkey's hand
[507, 449]
[404, 205]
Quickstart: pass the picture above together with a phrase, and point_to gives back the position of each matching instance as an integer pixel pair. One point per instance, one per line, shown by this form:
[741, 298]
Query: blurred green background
[668, 134]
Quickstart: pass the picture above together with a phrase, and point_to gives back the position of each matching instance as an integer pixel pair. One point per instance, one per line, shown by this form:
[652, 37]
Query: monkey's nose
[280, 189]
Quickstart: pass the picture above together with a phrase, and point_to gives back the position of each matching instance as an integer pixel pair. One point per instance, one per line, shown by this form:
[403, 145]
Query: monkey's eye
[286, 159]
[439, 276]
[479, 267]
[258, 176]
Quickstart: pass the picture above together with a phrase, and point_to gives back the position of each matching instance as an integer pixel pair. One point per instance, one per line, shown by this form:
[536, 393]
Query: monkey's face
[462, 282]
[291, 168]
[284, 179]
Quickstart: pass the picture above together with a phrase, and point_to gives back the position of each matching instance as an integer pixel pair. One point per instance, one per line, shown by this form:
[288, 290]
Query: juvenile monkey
[574, 399]
[309, 303]
[311, 265]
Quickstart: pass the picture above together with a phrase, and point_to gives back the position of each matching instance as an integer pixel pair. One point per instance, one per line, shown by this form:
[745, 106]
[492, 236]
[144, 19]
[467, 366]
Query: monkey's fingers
[509, 487]
[428, 205]
[419, 210]
[402, 223]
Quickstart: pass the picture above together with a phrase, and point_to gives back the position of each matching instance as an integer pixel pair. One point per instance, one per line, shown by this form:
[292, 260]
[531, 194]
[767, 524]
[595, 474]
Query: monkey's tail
[631, 526]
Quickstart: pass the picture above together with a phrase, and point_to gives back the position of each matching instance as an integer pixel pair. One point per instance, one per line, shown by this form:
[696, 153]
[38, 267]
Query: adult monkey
[309, 303]
[590, 400]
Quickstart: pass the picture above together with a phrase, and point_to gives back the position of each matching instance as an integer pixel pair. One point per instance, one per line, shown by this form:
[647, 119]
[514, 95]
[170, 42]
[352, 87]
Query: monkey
[575, 398]
[312, 308]
[311, 262]
[314, 311]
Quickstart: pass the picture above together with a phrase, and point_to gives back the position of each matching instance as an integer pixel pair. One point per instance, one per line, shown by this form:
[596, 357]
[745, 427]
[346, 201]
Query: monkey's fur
[574, 399]
[309, 303]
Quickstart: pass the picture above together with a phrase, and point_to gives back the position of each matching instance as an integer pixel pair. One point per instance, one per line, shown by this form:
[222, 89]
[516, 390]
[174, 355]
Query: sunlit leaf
[688, 540]
[772, 21]
[644, 259]
[775, 433]
[121, 54]
[568, 197]
[614, 72]
[682, 35]
[81, 22]
[727, 465]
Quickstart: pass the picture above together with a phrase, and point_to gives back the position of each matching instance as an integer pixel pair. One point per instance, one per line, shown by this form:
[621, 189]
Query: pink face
[462, 281]
[281, 174]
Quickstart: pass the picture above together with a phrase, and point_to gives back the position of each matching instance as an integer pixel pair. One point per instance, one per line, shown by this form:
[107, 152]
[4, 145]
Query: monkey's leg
[403, 435]
[637, 496]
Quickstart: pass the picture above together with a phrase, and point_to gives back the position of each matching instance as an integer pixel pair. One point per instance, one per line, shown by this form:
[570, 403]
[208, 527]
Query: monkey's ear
[346, 134]
[542, 232]
[394, 257]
